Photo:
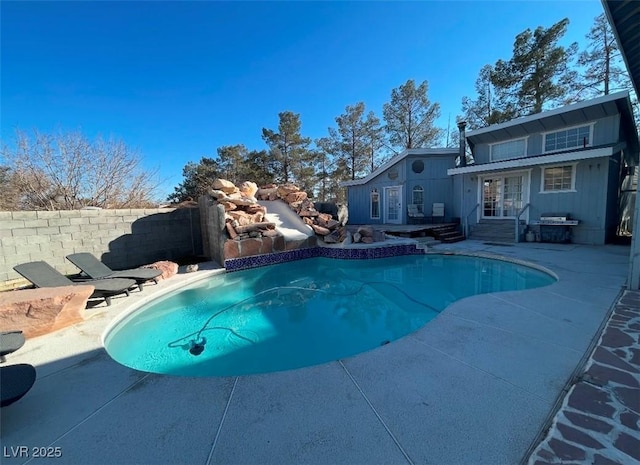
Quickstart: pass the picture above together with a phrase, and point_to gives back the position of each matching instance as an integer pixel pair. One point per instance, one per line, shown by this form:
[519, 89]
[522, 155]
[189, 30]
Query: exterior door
[503, 196]
[393, 205]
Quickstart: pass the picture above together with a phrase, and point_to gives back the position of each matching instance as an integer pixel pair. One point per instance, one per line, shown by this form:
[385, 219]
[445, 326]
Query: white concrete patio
[474, 386]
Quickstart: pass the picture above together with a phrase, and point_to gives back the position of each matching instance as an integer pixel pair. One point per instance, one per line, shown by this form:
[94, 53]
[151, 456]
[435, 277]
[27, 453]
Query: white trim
[371, 192]
[524, 154]
[526, 193]
[556, 111]
[573, 178]
[396, 159]
[589, 143]
[385, 213]
[539, 160]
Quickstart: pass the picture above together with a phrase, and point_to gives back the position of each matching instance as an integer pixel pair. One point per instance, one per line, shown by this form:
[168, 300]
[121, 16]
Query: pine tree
[539, 74]
[603, 71]
[288, 149]
[410, 117]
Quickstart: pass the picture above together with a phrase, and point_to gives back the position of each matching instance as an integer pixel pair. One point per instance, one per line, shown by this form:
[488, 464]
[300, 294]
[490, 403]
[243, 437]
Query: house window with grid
[558, 178]
[375, 204]
[516, 148]
[417, 198]
[568, 139]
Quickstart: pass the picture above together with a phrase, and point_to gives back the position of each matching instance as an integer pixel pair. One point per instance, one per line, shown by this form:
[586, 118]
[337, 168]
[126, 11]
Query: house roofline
[622, 95]
[539, 160]
[398, 158]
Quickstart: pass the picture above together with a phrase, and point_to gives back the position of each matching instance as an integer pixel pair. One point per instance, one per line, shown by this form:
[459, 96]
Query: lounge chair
[41, 274]
[10, 341]
[15, 382]
[95, 269]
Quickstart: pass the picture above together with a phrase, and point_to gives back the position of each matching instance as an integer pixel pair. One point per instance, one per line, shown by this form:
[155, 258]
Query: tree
[539, 74]
[487, 108]
[410, 117]
[10, 197]
[66, 171]
[355, 140]
[288, 149]
[198, 179]
[603, 70]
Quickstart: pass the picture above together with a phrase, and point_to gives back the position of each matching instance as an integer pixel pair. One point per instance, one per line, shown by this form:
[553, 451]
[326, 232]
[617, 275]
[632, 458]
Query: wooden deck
[403, 230]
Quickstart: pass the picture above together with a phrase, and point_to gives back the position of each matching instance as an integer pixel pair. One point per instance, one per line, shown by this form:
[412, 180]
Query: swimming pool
[302, 313]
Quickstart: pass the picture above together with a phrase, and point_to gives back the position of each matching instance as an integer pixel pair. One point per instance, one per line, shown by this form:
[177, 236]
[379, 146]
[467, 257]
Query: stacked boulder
[244, 216]
[323, 224]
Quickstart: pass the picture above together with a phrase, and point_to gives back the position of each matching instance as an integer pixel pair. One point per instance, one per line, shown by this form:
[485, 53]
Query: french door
[393, 205]
[504, 196]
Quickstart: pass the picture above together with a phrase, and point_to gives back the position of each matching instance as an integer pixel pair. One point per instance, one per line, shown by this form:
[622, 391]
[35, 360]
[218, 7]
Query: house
[575, 164]
[566, 174]
[415, 177]
[621, 16]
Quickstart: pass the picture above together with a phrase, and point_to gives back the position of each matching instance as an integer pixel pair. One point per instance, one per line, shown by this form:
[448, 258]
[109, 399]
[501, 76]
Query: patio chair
[41, 274]
[15, 382]
[95, 269]
[414, 215]
[437, 212]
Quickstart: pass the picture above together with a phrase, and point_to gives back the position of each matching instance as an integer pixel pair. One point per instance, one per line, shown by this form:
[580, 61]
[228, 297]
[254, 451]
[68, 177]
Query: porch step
[495, 230]
[447, 234]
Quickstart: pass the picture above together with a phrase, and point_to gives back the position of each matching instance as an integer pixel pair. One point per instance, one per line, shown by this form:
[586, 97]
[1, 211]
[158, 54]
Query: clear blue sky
[177, 80]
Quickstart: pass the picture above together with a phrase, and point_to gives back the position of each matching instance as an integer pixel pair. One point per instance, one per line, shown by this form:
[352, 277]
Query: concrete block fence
[121, 238]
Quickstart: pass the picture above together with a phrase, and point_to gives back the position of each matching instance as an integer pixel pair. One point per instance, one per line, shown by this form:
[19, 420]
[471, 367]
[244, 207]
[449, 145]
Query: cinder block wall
[120, 238]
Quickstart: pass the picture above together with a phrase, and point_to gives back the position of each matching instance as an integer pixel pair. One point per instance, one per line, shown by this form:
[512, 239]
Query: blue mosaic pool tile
[244, 263]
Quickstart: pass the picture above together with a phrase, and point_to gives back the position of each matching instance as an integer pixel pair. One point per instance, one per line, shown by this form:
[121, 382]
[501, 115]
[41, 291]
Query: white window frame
[589, 143]
[420, 206]
[371, 195]
[524, 154]
[559, 165]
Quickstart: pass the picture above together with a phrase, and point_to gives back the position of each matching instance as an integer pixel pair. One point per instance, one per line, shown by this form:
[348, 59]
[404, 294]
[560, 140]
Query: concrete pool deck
[477, 385]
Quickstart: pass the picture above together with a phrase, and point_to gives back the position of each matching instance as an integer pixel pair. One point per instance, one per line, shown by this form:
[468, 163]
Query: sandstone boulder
[320, 230]
[43, 310]
[248, 189]
[225, 186]
[286, 189]
[168, 268]
[295, 197]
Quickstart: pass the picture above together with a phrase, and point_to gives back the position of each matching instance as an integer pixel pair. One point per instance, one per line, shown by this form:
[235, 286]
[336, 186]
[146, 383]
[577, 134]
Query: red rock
[231, 230]
[267, 245]
[320, 230]
[231, 249]
[366, 231]
[286, 189]
[228, 206]
[296, 197]
[43, 310]
[168, 268]
[250, 247]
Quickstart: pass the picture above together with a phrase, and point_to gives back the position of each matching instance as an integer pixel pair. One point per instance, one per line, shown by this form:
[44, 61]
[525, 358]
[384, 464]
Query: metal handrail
[466, 220]
[518, 222]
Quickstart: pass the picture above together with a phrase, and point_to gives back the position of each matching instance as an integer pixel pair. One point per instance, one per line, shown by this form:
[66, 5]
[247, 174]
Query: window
[375, 204]
[558, 178]
[510, 149]
[417, 166]
[417, 198]
[568, 139]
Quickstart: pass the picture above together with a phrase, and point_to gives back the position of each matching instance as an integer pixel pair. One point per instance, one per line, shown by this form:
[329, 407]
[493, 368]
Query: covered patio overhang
[539, 160]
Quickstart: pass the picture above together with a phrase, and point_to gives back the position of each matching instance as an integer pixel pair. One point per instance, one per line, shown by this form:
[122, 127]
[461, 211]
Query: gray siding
[437, 186]
[606, 131]
[587, 205]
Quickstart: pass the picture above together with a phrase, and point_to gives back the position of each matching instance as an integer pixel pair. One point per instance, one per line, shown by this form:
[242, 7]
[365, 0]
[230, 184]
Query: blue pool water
[302, 313]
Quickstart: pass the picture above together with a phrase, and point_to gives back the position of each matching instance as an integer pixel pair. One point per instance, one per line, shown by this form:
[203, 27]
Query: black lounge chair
[15, 382]
[10, 341]
[95, 269]
[41, 274]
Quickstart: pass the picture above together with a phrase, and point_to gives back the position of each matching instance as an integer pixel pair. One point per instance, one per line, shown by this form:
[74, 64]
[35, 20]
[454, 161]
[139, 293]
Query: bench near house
[573, 169]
